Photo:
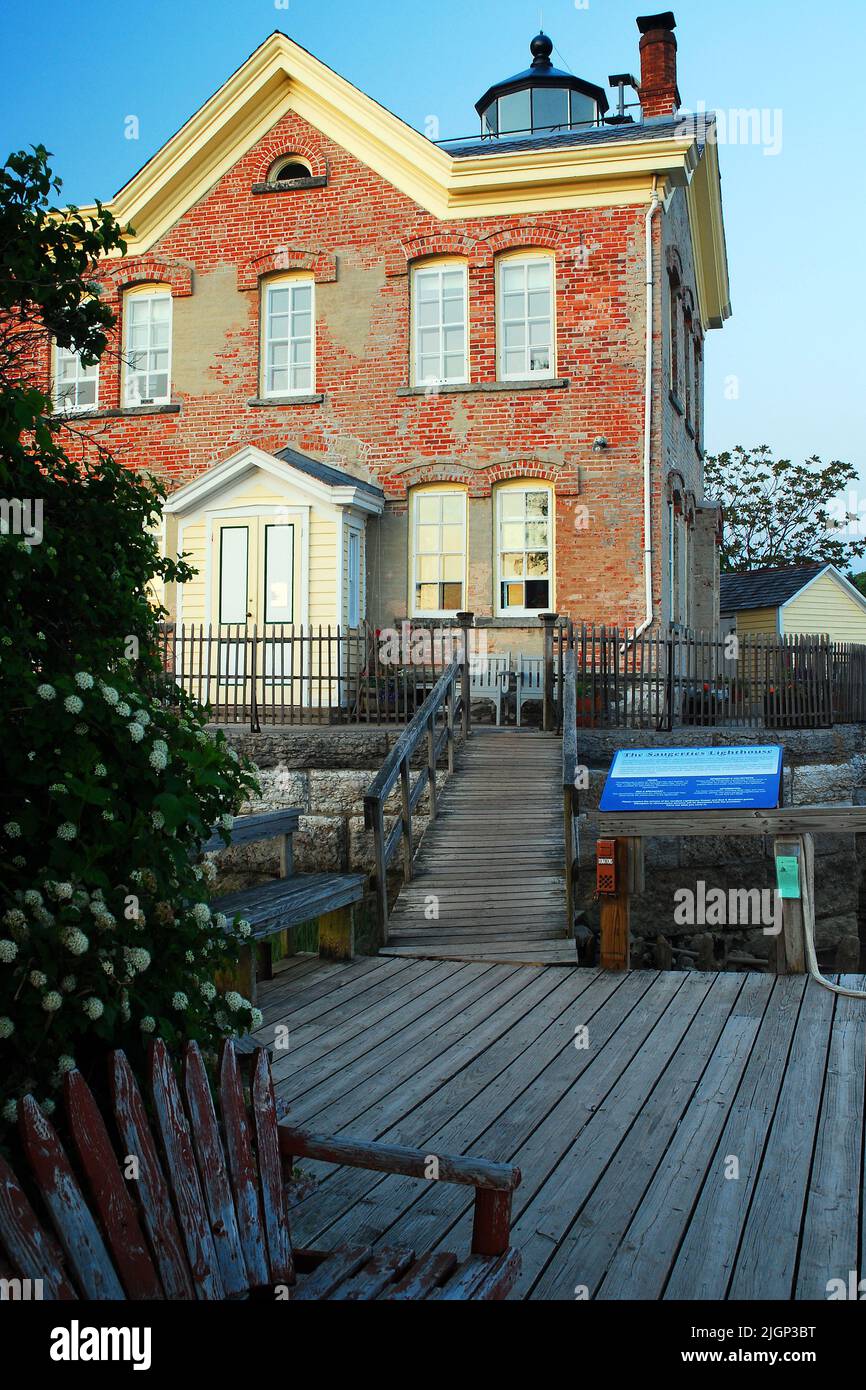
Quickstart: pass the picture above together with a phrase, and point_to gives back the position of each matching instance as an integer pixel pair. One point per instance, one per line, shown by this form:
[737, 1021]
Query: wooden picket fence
[678, 678]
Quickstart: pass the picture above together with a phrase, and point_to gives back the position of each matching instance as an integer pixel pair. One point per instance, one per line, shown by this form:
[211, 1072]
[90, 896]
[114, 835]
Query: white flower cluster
[93, 1007]
[147, 1024]
[52, 1001]
[159, 755]
[67, 831]
[83, 680]
[73, 704]
[75, 941]
[8, 951]
[46, 692]
[201, 913]
[136, 732]
[137, 957]
[179, 1001]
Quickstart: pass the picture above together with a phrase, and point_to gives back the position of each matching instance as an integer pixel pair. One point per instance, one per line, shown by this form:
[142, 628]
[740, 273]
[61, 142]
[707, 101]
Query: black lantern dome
[541, 100]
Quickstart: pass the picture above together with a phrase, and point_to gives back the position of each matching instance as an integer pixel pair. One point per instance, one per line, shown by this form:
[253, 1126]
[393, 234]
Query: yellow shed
[794, 600]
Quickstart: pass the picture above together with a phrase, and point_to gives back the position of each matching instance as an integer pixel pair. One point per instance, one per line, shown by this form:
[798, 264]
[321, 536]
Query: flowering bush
[107, 789]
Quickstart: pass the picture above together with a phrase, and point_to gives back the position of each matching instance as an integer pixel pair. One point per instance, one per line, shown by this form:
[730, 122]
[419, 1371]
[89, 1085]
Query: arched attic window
[288, 168]
[288, 172]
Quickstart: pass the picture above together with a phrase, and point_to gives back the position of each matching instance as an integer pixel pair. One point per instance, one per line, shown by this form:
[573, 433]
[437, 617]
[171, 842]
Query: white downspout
[648, 417]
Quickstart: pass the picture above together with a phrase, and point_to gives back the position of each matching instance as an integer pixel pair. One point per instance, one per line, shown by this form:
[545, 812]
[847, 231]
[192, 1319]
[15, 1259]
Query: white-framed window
[289, 338]
[438, 552]
[353, 577]
[526, 320]
[440, 320]
[524, 549]
[76, 387]
[148, 348]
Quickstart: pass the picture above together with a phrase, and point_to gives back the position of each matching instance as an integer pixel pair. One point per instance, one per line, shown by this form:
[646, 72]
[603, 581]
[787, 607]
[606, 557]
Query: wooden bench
[276, 907]
[206, 1216]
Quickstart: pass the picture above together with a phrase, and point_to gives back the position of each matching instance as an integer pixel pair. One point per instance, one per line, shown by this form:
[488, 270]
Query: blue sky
[787, 370]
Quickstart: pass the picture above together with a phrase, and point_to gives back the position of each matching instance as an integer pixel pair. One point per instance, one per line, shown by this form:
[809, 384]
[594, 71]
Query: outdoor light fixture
[599, 444]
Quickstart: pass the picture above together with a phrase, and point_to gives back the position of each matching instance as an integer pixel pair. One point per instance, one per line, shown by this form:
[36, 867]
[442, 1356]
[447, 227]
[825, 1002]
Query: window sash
[520, 557]
[279, 572]
[76, 387]
[148, 349]
[440, 315]
[526, 319]
[438, 553]
[289, 339]
[353, 560]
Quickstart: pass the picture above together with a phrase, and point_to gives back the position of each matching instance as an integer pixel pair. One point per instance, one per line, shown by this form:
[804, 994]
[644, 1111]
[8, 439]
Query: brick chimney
[659, 94]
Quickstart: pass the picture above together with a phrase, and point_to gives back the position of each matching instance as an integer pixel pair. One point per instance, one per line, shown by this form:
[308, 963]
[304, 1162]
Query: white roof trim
[250, 459]
[837, 574]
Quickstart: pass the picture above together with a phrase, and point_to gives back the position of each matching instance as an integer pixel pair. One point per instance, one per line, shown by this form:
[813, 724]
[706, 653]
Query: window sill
[119, 412]
[676, 403]
[548, 383]
[690, 429]
[290, 185]
[313, 399]
[520, 620]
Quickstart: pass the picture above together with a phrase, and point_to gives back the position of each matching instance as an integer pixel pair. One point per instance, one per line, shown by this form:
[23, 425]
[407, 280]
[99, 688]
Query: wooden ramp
[491, 864]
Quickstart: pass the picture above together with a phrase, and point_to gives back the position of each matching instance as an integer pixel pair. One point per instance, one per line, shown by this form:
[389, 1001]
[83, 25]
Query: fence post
[465, 620]
[549, 722]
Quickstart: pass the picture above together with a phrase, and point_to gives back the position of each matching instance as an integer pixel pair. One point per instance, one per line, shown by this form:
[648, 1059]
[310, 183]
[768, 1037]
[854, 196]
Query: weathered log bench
[287, 902]
[205, 1214]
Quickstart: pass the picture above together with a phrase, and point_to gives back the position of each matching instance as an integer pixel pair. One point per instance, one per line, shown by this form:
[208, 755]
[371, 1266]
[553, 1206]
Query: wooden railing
[569, 784]
[434, 725]
[677, 678]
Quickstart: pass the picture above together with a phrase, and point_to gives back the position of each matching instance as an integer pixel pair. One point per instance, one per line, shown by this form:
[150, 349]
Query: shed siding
[825, 607]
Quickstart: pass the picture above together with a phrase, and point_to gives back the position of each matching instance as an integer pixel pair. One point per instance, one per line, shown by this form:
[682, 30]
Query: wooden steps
[491, 865]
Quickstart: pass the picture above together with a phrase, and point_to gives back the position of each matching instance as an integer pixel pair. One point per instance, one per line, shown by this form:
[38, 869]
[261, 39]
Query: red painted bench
[189, 1206]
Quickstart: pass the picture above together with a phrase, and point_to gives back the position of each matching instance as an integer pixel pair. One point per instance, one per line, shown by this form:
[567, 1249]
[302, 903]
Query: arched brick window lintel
[131, 274]
[401, 255]
[321, 264]
[284, 146]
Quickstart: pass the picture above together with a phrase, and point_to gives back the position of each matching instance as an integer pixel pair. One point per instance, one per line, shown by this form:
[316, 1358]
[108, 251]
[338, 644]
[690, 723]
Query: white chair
[488, 680]
[530, 683]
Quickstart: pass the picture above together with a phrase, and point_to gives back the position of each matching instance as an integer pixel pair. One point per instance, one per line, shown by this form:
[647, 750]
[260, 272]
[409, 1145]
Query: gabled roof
[326, 473]
[320, 482]
[767, 588]
[501, 178]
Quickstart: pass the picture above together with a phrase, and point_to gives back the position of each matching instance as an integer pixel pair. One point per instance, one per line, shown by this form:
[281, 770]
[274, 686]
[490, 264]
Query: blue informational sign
[694, 779]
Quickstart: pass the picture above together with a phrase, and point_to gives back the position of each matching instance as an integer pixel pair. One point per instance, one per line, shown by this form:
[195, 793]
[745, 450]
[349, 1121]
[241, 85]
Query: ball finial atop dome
[541, 49]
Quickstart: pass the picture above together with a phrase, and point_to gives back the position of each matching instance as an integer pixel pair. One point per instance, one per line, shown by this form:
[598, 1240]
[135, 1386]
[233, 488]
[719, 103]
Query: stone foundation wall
[821, 767]
[324, 772]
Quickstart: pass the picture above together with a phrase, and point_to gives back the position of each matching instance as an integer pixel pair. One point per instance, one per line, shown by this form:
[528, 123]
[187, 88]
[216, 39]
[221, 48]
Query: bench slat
[33, 1253]
[270, 907]
[135, 1135]
[72, 1218]
[270, 1172]
[248, 829]
[174, 1132]
[340, 1264]
[109, 1190]
[242, 1168]
[214, 1174]
[388, 1263]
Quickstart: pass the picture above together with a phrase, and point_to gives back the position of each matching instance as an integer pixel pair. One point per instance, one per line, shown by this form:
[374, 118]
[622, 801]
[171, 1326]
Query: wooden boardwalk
[705, 1142]
[491, 863]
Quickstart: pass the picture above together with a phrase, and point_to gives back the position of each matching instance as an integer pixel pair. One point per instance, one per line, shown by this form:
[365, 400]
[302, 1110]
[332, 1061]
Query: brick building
[387, 377]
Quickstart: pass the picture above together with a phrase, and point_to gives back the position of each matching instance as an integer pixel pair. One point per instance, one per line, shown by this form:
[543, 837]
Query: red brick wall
[357, 235]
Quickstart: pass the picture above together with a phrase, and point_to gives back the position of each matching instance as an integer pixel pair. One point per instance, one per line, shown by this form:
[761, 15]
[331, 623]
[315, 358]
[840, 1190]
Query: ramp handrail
[448, 696]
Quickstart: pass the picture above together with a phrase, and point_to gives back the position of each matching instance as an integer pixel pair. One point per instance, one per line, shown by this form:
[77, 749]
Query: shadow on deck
[680, 1135]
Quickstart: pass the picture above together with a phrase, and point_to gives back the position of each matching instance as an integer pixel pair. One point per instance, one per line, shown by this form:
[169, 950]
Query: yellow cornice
[280, 76]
